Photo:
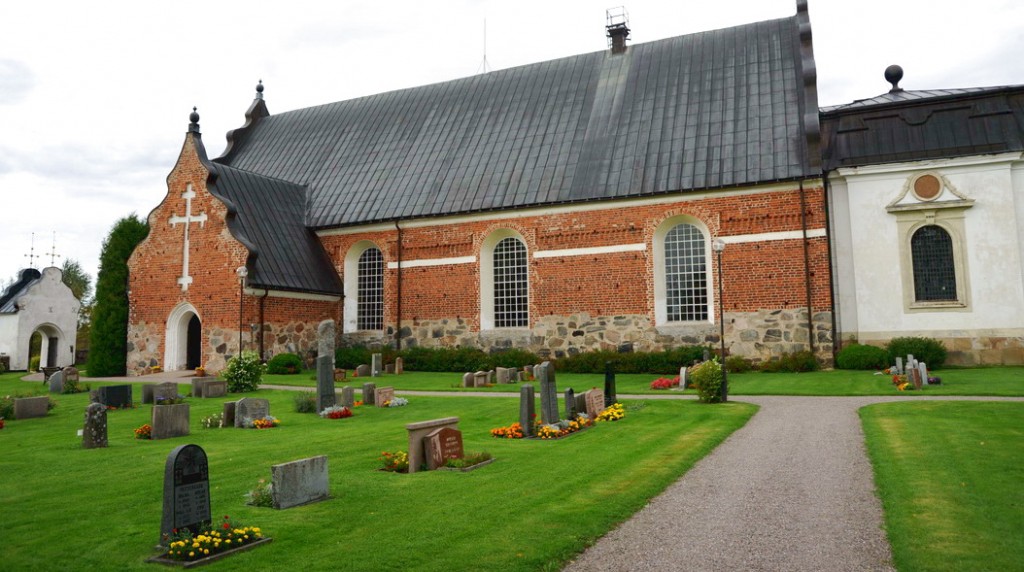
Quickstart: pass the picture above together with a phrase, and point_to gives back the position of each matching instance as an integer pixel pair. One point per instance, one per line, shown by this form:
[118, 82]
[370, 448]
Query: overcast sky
[95, 96]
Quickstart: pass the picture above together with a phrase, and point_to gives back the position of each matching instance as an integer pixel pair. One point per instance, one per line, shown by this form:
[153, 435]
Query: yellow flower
[191, 554]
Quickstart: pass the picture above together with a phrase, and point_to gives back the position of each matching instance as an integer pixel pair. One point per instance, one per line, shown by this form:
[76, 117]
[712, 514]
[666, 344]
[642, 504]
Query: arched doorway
[183, 344]
[45, 342]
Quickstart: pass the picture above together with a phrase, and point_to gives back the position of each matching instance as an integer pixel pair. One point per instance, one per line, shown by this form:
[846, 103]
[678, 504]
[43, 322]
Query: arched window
[511, 296]
[931, 250]
[370, 290]
[685, 274]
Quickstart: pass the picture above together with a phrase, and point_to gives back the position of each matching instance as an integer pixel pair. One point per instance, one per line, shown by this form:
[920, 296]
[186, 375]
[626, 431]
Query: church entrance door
[195, 333]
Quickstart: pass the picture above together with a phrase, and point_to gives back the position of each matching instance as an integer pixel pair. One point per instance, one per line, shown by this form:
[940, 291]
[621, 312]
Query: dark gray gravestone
[325, 396]
[215, 388]
[548, 393]
[468, 379]
[526, 409]
[299, 482]
[147, 393]
[581, 402]
[170, 421]
[229, 413]
[249, 409]
[368, 391]
[94, 433]
[164, 391]
[29, 407]
[570, 404]
[378, 365]
[362, 370]
[609, 383]
[348, 397]
[56, 382]
[116, 396]
[186, 491]
[389, 368]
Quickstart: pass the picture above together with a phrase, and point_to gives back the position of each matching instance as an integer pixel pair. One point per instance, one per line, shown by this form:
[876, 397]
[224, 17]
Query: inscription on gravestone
[442, 444]
[186, 491]
[595, 402]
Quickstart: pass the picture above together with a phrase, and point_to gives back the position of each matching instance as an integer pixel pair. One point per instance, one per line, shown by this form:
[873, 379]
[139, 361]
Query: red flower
[226, 526]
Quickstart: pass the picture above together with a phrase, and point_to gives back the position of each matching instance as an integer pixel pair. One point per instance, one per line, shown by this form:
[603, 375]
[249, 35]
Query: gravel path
[792, 490]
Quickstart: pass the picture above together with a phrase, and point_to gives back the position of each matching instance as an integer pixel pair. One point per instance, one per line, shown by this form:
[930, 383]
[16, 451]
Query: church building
[38, 303]
[632, 199]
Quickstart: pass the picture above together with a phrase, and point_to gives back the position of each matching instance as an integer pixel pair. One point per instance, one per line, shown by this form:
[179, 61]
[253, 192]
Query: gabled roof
[723, 108]
[915, 125]
[9, 298]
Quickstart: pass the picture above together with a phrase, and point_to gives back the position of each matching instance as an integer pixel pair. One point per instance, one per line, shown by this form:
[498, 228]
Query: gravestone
[215, 388]
[56, 382]
[684, 377]
[909, 364]
[899, 365]
[570, 404]
[548, 393]
[29, 407]
[71, 374]
[389, 368]
[339, 374]
[376, 368]
[501, 374]
[362, 370]
[94, 433]
[609, 383]
[115, 395]
[162, 391]
[490, 377]
[480, 379]
[442, 444]
[467, 379]
[249, 409]
[368, 393]
[383, 395]
[229, 413]
[348, 397]
[915, 377]
[186, 491]
[581, 403]
[595, 402]
[417, 431]
[169, 421]
[325, 396]
[299, 482]
[923, 372]
[526, 409]
[399, 366]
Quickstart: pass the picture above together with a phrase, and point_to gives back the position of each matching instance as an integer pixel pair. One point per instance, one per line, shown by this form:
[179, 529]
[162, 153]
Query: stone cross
[188, 219]
[325, 396]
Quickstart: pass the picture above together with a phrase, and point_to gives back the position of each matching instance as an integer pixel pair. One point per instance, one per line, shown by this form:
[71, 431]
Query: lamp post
[718, 245]
[241, 272]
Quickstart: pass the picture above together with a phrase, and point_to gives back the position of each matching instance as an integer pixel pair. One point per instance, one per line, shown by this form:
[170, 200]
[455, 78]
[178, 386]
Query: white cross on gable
[188, 219]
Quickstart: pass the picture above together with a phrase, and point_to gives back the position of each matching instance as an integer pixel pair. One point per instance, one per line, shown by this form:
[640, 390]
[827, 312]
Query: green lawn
[539, 504]
[989, 381]
[951, 479]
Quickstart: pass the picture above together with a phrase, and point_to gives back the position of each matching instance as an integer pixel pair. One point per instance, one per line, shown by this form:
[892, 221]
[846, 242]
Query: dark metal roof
[716, 109]
[8, 299]
[268, 217]
[917, 125]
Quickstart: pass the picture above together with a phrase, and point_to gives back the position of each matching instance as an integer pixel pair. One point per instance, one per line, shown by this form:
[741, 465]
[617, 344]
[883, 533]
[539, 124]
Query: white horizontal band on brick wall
[433, 262]
[769, 236]
[639, 247]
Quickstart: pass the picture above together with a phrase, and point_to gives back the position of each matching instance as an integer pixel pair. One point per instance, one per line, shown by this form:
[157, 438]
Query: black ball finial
[259, 87]
[193, 117]
[893, 75]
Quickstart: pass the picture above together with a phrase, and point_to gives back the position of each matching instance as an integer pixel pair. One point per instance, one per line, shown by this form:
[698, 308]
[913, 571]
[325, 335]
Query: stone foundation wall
[759, 336]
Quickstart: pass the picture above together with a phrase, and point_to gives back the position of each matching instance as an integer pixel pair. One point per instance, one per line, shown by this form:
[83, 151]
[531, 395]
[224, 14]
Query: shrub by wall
[927, 350]
[666, 362]
[244, 372]
[792, 363]
[856, 356]
[284, 363]
[706, 378]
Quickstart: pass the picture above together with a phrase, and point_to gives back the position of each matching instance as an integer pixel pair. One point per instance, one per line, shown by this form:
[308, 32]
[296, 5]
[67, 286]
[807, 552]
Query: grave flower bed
[144, 432]
[613, 412]
[185, 547]
[513, 431]
[267, 422]
[902, 383]
[215, 421]
[397, 462]
[563, 428]
[468, 462]
[665, 383]
[336, 412]
[396, 402]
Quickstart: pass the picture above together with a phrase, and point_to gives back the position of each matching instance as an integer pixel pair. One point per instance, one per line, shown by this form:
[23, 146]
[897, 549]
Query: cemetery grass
[988, 381]
[951, 481]
[537, 506]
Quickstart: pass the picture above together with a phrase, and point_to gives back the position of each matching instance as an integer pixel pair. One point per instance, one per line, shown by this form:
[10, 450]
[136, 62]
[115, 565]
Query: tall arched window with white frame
[370, 290]
[511, 284]
[685, 274]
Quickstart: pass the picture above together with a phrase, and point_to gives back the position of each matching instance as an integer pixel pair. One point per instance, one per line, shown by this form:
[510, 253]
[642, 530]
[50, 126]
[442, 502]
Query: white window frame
[351, 284]
[660, 278]
[487, 279]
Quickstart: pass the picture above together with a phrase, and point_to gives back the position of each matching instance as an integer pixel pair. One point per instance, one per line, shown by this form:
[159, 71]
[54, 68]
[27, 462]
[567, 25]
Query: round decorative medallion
[927, 187]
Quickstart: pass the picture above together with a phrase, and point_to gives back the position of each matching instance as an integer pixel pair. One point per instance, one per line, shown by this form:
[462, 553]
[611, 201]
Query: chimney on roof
[617, 28]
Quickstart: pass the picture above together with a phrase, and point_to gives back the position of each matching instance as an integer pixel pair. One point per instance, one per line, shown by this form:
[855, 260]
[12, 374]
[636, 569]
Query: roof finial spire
[259, 90]
[193, 127]
[893, 75]
[53, 250]
[32, 253]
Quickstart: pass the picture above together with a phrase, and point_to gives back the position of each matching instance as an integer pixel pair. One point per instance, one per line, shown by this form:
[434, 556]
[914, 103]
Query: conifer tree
[109, 336]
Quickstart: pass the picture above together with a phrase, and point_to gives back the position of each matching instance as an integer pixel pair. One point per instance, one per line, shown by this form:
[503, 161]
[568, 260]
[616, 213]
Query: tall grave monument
[325, 396]
[186, 491]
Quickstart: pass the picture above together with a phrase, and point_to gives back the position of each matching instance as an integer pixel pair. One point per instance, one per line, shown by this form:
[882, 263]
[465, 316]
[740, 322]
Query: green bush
[352, 357]
[33, 363]
[284, 364]
[927, 350]
[856, 356]
[665, 362]
[792, 363]
[244, 372]
[305, 402]
[706, 378]
[738, 364]
[514, 358]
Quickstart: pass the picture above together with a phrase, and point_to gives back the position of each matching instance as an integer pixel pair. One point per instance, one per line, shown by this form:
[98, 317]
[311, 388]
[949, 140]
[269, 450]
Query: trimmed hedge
[667, 362]
[927, 350]
[284, 363]
[792, 363]
[856, 356]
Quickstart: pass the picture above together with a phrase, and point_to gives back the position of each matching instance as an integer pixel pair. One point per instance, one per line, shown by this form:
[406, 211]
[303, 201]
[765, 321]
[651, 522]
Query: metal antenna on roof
[53, 250]
[484, 66]
[32, 253]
